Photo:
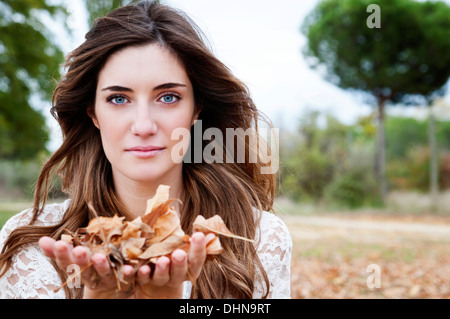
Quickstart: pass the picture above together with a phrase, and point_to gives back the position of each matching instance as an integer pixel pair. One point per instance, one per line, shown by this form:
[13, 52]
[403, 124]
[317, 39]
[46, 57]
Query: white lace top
[32, 276]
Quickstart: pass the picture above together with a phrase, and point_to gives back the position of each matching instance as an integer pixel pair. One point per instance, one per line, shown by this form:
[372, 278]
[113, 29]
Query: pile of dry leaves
[143, 240]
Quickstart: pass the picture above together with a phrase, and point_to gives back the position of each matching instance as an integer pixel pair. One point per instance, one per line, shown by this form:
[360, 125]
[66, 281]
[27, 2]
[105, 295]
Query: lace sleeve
[31, 275]
[274, 250]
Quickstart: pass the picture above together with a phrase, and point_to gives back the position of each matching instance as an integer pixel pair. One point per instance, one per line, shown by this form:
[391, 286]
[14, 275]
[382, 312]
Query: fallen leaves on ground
[331, 261]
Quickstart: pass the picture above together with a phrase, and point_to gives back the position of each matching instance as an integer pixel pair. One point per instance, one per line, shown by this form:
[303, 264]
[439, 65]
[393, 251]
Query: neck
[134, 195]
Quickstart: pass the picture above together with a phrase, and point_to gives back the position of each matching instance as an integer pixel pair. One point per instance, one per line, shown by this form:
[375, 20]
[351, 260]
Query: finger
[161, 273]
[47, 245]
[63, 254]
[101, 265]
[81, 258]
[197, 253]
[178, 267]
[143, 275]
[127, 279]
[127, 273]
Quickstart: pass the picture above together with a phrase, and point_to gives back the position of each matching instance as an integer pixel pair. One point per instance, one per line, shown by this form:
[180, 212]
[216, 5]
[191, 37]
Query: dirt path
[314, 227]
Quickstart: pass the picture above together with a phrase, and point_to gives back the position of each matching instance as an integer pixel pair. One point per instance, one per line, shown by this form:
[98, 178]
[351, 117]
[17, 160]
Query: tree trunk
[380, 157]
[434, 167]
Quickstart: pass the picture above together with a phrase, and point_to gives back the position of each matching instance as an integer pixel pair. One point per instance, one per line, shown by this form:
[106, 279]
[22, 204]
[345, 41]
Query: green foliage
[334, 164]
[412, 171]
[308, 168]
[403, 60]
[308, 179]
[18, 179]
[405, 133]
[409, 54]
[354, 183]
[99, 8]
[331, 162]
[29, 61]
[351, 190]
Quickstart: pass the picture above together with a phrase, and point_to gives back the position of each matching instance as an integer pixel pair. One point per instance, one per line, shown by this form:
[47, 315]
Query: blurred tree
[407, 57]
[100, 8]
[29, 59]
[408, 152]
[403, 134]
[314, 155]
[328, 162]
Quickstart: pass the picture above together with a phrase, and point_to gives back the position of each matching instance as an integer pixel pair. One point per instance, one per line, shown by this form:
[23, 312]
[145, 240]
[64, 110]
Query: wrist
[94, 294]
[159, 293]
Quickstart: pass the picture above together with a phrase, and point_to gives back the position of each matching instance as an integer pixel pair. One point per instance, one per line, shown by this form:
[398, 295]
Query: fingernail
[102, 262]
[163, 267]
[198, 239]
[144, 271]
[179, 258]
[79, 254]
[60, 248]
[127, 271]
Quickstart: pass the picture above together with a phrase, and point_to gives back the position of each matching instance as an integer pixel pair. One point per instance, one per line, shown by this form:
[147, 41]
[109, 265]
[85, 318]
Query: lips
[145, 151]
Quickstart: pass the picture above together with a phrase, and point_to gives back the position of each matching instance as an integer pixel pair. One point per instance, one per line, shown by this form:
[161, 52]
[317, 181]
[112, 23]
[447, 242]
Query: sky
[260, 41]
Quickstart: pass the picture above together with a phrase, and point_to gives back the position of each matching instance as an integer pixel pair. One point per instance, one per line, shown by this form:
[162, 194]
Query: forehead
[146, 64]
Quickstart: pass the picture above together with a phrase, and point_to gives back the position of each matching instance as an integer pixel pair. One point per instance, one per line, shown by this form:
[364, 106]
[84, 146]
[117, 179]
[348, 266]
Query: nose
[144, 123]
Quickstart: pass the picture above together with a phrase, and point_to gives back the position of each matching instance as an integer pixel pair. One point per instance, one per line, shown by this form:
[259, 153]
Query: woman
[143, 72]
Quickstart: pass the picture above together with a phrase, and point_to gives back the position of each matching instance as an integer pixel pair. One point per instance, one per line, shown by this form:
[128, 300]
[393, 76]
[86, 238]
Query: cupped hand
[100, 281]
[97, 276]
[168, 276]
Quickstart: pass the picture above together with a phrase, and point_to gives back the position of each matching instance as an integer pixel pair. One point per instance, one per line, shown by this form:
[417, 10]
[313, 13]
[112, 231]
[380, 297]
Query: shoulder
[274, 248]
[50, 215]
[272, 230]
[31, 274]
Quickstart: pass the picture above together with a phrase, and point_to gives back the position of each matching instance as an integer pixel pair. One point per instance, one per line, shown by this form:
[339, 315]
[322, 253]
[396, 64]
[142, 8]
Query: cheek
[112, 132]
[180, 123]
[183, 117]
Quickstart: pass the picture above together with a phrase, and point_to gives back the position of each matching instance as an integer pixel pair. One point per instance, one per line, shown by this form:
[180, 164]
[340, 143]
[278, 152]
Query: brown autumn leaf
[164, 226]
[215, 225]
[132, 248]
[178, 240]
[132, 229]
[106, 226]
[161, 197]
[146, 238]
[214, 247]
[67, 238]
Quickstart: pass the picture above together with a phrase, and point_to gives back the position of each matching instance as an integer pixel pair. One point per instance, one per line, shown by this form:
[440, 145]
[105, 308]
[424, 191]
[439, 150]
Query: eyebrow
[118, 88]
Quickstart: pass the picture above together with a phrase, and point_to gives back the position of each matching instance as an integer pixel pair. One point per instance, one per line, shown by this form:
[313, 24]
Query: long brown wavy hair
[232, 190]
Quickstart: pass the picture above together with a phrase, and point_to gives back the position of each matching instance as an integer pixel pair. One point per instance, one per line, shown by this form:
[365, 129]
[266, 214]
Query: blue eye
[117, 99]
[169, 98]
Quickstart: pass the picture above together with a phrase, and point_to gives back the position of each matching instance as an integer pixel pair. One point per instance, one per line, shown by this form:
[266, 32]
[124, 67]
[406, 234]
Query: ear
[196, 114]
[91, 114]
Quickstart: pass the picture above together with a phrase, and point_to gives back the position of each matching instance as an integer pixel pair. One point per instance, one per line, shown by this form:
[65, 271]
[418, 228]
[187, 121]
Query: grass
[9, 209]
[4, 216]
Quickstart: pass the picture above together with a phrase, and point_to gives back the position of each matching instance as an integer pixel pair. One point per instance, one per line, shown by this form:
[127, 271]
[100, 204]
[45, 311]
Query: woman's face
[143, 94]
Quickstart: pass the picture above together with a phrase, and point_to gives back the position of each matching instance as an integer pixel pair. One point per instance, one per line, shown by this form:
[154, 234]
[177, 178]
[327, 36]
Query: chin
[153, 173]
[146, 177]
